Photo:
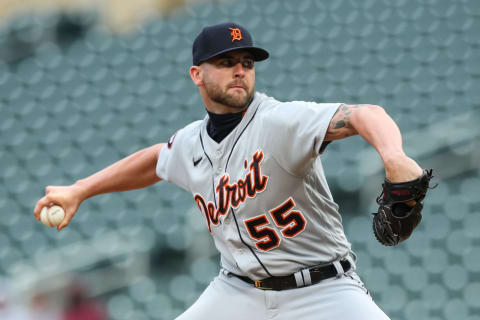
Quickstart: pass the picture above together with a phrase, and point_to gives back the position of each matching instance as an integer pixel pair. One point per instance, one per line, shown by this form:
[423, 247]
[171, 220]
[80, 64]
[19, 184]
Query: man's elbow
[375, 108]
[366, 114]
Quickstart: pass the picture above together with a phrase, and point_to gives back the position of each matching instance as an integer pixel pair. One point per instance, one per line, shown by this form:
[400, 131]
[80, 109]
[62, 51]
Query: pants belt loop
[339, 268]
[352, 258]
[306, 277]
[299, 279]
[224, 271]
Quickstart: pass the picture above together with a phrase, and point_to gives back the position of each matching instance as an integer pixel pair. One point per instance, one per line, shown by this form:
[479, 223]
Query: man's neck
[220, 125]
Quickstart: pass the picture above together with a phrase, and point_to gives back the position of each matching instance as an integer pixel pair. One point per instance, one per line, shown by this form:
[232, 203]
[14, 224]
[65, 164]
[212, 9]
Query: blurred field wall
[80, 89]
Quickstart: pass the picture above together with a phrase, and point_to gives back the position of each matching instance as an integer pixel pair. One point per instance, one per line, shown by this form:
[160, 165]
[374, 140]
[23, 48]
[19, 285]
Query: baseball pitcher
[253, 166]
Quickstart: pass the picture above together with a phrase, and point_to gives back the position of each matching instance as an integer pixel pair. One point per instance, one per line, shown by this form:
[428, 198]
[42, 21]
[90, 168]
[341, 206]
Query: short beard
[216, 94]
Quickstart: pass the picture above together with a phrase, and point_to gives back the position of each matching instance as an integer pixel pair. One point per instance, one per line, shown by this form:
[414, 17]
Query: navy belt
[302, 278]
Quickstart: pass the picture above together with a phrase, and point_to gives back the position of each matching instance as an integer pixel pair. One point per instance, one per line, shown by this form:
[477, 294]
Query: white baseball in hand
[52, 216]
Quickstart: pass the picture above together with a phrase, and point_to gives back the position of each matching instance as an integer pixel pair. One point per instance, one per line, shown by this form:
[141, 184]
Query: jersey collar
[247, 117]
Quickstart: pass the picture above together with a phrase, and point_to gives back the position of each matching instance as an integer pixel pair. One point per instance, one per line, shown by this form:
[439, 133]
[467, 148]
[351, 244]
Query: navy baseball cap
[221, 38]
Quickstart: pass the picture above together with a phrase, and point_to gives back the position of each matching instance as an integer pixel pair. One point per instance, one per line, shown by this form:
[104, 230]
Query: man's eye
[226, 63]
[248, 64]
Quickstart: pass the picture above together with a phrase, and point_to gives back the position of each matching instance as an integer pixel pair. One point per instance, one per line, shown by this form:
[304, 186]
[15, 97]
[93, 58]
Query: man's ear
[196, 75]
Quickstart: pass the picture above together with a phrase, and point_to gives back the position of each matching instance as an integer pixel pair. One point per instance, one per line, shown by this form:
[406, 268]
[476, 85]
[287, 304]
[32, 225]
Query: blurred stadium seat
[68, 111]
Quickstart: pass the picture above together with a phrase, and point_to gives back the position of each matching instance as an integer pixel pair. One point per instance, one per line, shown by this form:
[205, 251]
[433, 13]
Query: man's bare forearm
[133, 172]
[379, 129]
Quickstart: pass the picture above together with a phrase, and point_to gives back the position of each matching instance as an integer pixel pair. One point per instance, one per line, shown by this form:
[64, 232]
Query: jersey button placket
[218, 154]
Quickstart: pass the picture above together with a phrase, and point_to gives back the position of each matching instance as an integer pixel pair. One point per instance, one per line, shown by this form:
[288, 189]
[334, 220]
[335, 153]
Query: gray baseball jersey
[262, 189]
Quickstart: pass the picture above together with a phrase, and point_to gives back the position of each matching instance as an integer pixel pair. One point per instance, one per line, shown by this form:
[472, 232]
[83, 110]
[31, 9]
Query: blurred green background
[78, 92]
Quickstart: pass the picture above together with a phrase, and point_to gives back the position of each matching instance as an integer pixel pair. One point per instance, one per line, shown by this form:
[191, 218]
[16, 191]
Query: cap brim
[258, 54]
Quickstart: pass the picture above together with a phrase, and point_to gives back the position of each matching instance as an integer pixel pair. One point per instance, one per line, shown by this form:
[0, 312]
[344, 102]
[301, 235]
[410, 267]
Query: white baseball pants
[228, 297]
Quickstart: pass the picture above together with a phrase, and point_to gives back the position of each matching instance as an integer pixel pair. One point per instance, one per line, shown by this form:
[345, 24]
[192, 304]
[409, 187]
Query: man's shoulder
[272, 108]
[273, 112]
[194, 126]
[265, 102]
[189, 133]
[271, 104]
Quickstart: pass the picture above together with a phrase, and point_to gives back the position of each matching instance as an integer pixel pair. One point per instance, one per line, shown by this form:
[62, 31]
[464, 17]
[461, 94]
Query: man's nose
[238, 70]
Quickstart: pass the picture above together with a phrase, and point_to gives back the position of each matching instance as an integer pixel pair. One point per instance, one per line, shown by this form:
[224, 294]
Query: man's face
[229, 79]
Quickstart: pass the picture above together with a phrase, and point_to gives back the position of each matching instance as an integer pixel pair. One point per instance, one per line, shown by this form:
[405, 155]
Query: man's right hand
[67, 197]
[136, 171]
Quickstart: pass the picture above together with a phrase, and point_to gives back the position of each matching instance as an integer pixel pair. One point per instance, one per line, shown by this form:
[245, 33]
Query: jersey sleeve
[296, 132]
[171, 163]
